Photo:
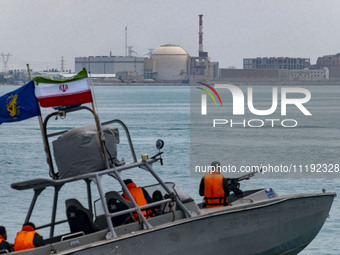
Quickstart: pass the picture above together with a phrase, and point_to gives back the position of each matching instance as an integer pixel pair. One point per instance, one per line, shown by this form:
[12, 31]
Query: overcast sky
[40, 32]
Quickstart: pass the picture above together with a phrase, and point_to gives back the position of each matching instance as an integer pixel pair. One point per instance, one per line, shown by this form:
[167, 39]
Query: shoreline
[224, 81]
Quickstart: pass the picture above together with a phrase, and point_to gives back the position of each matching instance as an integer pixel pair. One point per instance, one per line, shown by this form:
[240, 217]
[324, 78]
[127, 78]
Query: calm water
[152, 113]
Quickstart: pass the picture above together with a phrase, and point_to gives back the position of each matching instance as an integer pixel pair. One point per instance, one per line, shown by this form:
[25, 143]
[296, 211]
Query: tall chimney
[200, 34]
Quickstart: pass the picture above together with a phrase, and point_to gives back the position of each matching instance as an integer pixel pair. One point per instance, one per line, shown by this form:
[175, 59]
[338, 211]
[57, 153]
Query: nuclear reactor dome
[171, 62]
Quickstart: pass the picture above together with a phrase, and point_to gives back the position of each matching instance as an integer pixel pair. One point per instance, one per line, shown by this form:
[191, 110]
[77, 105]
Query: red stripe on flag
[63, 100]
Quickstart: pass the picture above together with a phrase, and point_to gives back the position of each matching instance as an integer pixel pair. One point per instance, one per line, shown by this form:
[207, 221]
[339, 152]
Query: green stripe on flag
[81, 75]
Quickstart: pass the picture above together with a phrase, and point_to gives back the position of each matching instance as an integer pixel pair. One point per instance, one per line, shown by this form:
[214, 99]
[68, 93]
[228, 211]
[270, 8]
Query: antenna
[62, 64]
[126, 47]
[5, 58]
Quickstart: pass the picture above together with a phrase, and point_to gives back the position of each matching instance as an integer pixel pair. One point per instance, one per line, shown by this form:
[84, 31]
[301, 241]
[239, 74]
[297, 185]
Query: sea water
[151, 113]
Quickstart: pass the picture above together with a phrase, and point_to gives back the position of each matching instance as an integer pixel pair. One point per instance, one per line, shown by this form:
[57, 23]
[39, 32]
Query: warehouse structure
[309, 74]
[276, 69]
[276, 63]
[110, 64]
[332, 62]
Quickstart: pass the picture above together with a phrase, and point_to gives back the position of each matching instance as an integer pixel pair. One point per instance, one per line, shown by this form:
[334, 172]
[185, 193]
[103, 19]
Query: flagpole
[100, 136]
[99, 127]
[43, 134]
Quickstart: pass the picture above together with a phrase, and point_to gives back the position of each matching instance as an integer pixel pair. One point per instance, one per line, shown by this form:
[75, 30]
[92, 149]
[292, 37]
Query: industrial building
[274, 75]
[309, 74]
[253, 75]
[110, 64]
[332, 62]
[170, 62]
[275, 69]
[272, 69]
[276, 63]
[167, 63]
[200, 64]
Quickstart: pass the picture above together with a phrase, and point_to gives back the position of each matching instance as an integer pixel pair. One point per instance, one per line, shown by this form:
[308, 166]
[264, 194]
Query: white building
[110, 64]
[309, 74]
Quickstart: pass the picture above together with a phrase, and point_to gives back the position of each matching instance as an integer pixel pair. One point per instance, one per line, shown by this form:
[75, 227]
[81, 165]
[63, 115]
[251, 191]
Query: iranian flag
[73, 91]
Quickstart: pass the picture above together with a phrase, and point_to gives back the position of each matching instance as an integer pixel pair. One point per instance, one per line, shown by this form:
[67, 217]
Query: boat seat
[163, 208]
[115, 203]
[79, 218]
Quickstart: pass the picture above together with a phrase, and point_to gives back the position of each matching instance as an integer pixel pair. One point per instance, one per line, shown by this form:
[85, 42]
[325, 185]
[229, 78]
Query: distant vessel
[257, 222]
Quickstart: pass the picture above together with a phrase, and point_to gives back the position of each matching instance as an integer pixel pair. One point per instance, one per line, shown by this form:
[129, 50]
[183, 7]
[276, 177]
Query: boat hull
[282, 226]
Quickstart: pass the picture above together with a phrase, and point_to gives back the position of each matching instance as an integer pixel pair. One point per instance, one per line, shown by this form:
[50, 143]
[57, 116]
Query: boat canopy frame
[38, 185]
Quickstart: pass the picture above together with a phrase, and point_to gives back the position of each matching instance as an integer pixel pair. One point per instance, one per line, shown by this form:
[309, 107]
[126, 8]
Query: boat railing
[72, 235]
[49, 224]
[39, 185]
[144, 207]
[95, 176]
[62, 114]
[133, 153]
[43, 183]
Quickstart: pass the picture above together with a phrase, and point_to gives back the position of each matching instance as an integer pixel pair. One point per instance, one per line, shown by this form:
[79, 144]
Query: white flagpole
[98, 125]
[43, 134]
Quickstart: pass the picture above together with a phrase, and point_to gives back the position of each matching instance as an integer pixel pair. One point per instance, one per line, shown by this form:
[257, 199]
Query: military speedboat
[102, 221]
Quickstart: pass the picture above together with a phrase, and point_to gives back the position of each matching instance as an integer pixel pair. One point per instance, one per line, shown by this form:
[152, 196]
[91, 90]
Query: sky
[41, 32]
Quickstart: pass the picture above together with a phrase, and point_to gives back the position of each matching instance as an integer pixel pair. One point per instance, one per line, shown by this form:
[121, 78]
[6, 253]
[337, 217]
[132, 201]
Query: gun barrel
[247, 176]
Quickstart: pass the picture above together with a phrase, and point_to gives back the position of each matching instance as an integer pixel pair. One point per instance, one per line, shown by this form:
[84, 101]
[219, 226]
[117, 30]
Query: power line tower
[150, 50]
[62, 64]
[5, 58]
[131, 51]
[126, 38]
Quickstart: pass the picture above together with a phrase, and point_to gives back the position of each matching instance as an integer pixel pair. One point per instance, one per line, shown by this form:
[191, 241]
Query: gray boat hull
[283, 225]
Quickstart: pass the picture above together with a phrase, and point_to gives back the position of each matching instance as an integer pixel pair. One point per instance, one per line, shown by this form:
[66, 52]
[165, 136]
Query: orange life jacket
[24, 238]
[2, 239]
[214, 195]
[138, 196]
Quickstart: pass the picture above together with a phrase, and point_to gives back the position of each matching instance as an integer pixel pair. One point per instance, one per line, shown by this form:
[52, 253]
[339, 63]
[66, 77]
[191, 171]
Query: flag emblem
[12, 107]
[19, 104]
[63, 87]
